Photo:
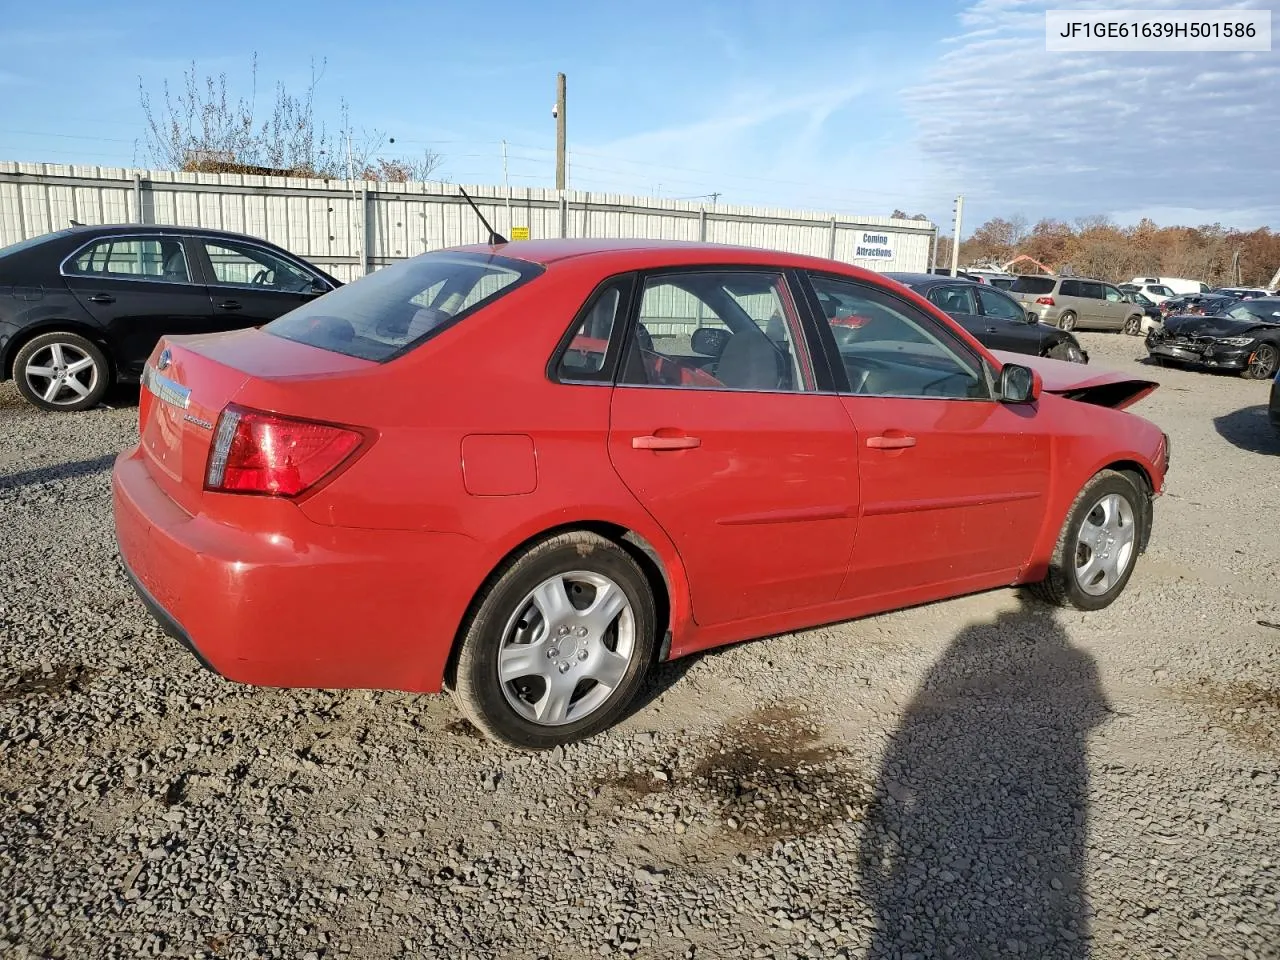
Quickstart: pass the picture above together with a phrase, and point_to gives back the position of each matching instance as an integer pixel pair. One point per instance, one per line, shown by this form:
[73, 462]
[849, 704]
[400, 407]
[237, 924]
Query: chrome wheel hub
[567, 648]
[1105, 544]
[61, 374]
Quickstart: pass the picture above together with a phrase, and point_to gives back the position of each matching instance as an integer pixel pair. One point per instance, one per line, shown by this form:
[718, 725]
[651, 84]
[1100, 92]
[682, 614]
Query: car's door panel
[951, 485]
[139, 288]
[757, 487]
[250, 285]
[1009, 320]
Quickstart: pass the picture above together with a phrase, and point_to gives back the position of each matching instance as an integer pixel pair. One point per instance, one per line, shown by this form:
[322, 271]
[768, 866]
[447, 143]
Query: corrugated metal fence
[350, 228]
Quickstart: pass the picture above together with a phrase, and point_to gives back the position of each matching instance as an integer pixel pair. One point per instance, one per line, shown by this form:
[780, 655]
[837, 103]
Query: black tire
[487, 700]
[1263, 363]
[1067, 321]
[1133, 325]
[1066, 350]
[1062, 586]
[67, 388]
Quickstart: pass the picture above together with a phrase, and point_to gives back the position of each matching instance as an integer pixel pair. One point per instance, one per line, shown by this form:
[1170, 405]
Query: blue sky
[849, 107]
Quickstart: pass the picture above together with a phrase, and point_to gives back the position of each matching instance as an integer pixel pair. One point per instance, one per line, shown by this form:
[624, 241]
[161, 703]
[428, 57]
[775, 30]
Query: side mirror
[1033, 317]
[709, 341]
[1019, 384]
[319, 286]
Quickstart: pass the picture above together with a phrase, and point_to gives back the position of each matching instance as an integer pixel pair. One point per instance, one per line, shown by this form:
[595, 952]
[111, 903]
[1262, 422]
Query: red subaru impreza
[527, 472]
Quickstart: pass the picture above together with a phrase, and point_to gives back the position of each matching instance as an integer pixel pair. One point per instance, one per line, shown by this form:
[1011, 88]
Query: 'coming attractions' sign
[873, 246]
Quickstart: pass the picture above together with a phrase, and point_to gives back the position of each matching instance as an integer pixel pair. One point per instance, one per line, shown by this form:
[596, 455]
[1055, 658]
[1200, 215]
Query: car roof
[655, 253]
[926, 279]
[88, 231]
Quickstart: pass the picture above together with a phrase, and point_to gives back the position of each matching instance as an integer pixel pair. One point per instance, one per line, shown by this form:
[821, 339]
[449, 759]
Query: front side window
[1113, 295]
[896, 350]
[956, 299]
[133, 258]
[244, 265]
[732, 330]
[398, 307]
[1161, 291]
[995, 305]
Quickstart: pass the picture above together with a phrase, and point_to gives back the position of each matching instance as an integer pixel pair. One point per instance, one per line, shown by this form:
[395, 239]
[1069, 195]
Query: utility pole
[955, 237]
[560, 136]
[715, 197]
[506, 183]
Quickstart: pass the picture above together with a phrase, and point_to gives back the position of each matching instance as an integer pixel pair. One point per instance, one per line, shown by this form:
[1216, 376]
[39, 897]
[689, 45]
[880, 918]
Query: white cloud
[1026, 130]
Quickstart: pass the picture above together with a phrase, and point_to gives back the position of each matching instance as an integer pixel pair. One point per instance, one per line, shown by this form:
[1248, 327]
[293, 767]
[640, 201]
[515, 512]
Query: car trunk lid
[188, 381]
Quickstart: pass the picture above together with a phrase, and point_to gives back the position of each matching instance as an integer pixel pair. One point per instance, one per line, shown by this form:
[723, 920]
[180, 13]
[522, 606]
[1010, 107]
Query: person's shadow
[976, 835]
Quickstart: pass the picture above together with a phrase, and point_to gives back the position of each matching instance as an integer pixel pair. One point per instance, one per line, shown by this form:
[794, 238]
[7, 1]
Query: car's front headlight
[1236, 341]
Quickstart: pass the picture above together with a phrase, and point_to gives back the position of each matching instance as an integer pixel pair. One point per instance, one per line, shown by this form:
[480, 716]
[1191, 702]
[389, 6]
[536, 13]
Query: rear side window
[1036, 285]
[393, 310]
[132, 258]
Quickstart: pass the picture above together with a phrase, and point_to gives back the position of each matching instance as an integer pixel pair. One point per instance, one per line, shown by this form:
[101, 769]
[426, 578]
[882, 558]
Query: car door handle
[992, 330]
[229, 305]
[102, 298]
[665, 443]
[890, 443]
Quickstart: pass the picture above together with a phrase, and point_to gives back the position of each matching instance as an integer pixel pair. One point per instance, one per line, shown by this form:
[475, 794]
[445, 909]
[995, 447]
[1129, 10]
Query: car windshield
[1036, 285]
[398, 307]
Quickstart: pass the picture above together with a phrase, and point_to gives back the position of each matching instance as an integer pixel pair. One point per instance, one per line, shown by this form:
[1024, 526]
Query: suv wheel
[1133, 325]
[61, 371]
[1067, 321]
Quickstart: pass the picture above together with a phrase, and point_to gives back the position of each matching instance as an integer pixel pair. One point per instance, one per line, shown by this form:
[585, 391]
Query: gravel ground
[978, 778]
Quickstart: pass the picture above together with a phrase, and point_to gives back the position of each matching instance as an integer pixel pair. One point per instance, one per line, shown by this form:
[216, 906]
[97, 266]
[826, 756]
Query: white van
[1179, 285]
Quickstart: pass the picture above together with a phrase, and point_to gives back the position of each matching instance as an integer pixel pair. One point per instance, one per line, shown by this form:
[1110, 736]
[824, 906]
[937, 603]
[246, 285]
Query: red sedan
[527, 472]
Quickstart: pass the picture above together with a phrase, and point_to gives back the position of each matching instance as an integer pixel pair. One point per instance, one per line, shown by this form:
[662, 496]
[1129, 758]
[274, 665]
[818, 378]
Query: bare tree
[201, 127]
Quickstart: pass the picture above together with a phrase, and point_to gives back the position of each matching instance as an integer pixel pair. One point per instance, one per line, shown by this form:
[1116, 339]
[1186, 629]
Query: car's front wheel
[1066, 350]
[1098, 546]
[1263, 362]
[61, 371]
[1133, 325]
[559, 644]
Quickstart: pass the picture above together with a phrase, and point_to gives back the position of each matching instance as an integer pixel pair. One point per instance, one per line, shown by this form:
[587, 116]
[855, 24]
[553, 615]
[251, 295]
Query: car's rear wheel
[1263, 362]
[61, 371]
[558, 644]
[1098, 546]
[1067, 321]
[1133, 325]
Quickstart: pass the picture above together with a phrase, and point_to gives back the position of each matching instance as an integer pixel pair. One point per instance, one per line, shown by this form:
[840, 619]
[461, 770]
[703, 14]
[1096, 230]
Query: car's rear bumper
[294, 603]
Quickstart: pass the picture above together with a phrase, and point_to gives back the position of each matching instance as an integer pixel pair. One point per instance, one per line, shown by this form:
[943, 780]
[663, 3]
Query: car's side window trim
[213, 280]
[607, 374]
[181, 239]
[939, 328]
[642, 278]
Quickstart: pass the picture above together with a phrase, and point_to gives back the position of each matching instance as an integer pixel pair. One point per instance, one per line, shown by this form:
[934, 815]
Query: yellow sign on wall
[519, 233]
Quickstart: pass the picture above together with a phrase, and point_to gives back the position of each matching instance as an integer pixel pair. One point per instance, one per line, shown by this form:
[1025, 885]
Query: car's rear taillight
[258, 452]
[1045, 301]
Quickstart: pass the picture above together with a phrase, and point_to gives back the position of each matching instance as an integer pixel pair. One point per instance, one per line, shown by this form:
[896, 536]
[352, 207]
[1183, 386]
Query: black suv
[84, 307]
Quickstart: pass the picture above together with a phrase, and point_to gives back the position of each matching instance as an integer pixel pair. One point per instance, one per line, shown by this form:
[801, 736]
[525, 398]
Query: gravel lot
[983, 777]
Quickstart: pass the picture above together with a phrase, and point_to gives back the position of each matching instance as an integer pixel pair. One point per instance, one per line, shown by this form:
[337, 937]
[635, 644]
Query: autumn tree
[200, 126]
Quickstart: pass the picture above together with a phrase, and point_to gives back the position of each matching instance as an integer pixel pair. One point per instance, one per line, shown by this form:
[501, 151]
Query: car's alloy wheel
[1133, 326]
[559, 642]
[1066, 350]
[1097, 546]
[1067, 321]
[61, 371]
[1263, 362]
[567, 648]
[1105, 543]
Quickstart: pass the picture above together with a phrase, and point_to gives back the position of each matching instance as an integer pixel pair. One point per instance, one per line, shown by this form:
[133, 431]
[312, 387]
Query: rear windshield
[31, 242]
[1033, 285]
[396, 308]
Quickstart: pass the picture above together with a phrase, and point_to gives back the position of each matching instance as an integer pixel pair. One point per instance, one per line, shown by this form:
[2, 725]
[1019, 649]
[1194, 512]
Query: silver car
[1073, 302]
